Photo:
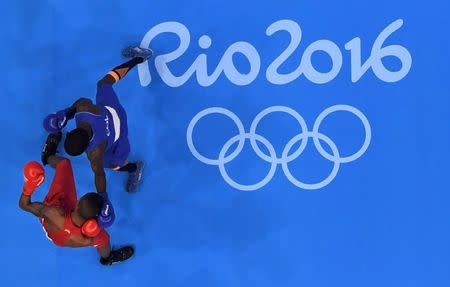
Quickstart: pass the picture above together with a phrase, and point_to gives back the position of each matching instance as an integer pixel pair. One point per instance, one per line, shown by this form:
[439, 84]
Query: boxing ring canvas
[287, 143]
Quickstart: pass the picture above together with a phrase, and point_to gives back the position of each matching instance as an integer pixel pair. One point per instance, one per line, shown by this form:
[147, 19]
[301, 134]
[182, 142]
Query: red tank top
[58, 237]
[62, 193]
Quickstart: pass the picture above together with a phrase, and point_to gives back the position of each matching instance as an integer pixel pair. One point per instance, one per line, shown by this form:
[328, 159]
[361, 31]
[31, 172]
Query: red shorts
[63, 194]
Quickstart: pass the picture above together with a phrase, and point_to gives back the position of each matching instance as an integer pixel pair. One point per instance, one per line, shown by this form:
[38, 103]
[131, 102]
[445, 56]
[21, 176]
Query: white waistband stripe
[116, 121]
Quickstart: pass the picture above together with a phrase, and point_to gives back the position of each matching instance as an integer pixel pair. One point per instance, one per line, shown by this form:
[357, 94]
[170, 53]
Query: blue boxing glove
[106, 217]
[56, 122]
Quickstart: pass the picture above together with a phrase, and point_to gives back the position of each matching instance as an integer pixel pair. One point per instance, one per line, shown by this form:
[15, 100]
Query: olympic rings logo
[286, 157]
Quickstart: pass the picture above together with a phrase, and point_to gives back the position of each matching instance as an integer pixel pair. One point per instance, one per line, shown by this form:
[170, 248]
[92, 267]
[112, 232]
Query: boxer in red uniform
[66, 221]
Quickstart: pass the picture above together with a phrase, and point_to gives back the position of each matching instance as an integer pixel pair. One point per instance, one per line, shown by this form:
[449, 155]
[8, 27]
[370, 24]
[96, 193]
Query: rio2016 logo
[306, 67]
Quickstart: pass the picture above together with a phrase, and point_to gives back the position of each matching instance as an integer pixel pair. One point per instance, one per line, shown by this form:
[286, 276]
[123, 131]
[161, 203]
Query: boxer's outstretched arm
[119, 72]
[80, 105]
[96, 159]
[36, 208]
[55, 122]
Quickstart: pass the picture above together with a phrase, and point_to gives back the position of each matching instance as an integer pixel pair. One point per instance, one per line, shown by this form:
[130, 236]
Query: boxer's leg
[139, 55]
[106, 96]
[104, 251]
[102, 243]
[119, 162]
[134, 177]
[117, 157]
[135, 171]
[129, 167]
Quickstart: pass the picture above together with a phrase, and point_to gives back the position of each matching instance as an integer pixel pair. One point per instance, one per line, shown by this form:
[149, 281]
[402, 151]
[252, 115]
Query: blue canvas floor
[381, 221]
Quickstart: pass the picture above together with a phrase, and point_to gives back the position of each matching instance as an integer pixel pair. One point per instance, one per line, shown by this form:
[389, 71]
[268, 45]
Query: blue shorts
[118, 152]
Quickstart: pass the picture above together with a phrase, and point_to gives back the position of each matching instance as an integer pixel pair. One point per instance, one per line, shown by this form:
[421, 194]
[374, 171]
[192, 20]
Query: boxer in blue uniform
[101, 128]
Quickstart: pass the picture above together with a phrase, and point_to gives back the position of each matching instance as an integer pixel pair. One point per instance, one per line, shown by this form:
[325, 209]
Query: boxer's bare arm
[96, 159]
[84, 105]
[36, 208]
[80, 105]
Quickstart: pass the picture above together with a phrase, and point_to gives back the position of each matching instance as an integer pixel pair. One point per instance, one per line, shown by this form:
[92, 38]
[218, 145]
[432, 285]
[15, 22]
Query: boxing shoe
[133, 52]
[118, 255]
[135, 178]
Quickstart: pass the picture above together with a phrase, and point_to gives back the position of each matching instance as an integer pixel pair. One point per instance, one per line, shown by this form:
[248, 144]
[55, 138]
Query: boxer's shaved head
[76, 142]
[89, 205]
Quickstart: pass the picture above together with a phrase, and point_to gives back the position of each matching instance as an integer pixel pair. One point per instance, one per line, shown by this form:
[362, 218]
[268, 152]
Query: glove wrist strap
[27, 190]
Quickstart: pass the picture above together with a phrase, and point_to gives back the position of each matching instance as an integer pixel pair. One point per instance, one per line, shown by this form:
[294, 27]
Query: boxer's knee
[107, 79]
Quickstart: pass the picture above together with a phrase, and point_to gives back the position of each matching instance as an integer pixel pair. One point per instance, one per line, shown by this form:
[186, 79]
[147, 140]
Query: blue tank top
[105, 126]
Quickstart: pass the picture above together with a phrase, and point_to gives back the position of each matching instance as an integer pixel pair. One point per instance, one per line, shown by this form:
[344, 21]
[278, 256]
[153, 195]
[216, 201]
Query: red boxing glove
[34, 175]
[90, 228]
